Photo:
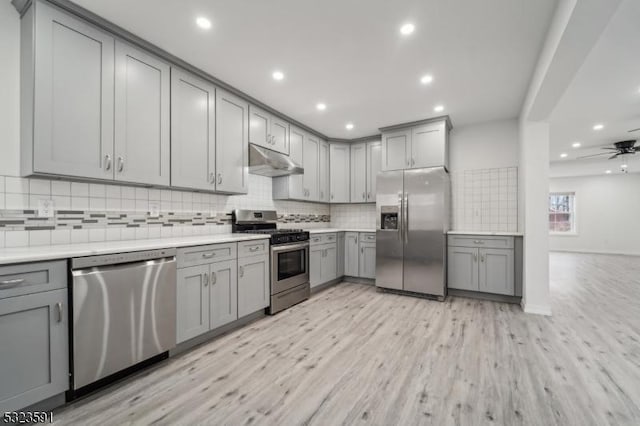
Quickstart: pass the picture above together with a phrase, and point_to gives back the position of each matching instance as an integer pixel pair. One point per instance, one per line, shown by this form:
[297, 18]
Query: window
[562, 212]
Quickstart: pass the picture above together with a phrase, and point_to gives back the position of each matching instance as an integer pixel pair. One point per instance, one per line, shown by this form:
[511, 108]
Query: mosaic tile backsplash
[87, 212]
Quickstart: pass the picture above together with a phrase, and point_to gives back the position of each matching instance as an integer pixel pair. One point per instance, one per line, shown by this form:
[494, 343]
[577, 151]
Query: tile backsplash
[357, 216]
[485, 200]
[88, 212]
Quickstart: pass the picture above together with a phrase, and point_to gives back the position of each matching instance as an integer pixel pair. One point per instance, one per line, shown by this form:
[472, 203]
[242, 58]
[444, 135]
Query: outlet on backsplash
[46, 208]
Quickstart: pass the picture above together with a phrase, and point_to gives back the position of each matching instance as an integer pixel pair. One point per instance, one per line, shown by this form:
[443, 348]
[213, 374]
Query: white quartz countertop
[328, 230]
[53, 252]
[486, 233]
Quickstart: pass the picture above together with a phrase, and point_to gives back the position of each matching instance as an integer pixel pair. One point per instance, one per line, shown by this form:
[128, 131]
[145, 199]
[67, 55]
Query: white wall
[9, 90]
[607, 209]
[484, 146]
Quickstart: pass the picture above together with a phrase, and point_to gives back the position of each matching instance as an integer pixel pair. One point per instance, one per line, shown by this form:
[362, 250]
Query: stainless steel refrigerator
[412, 223]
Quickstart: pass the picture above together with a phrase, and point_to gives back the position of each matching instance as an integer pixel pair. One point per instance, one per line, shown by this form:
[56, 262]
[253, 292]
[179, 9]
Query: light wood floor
[351, 355]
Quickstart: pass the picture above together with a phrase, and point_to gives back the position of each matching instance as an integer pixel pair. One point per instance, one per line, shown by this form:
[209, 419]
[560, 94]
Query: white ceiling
[350, 54]
[606, 90]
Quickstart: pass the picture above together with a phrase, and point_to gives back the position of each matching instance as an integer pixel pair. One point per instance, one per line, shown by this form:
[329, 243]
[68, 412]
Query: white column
[534, 198]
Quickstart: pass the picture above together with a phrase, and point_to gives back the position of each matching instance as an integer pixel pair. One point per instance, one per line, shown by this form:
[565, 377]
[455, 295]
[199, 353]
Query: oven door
[289, 266]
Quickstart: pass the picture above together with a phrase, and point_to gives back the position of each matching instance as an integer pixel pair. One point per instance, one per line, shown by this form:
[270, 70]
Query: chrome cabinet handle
[11, 283]
[205, 279]
[475, 257]
[482, 258]
[332, 196]
[363, 196]
[219, 178]
[413, 162]
[256, 248]
[212, 177]
[208, 255]
[120, 164]
[478, 242]
[368, 196]
[362, 250]
[241, 271]
[59, 311]
[107, 162]
[214, 278]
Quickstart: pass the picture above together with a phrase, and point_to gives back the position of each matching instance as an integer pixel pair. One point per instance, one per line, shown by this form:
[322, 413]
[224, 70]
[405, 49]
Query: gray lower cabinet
[192, 301]
[323, 263]
[316, 254]
[483, 264]
[340, 260]
[34, 349]
[223, 289]
[351, 254]
[253, 284]
[367, 260]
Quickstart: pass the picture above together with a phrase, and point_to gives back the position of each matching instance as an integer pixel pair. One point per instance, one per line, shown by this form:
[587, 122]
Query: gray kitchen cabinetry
[223, 298]
[358, 173]
[323, 172]
[367, 258]
[323, 262]
[34, 325]
[339, 175]
[253, 284]
[67, 96]
[482, 264]
[192, 302]
[268, 130]
[193, 138]
[310, 162]
[292, 187]
[232, 146]
[340, 254]
[351, 257]
[305, 150]
[374, 165]
[417, 145]
[142, 86]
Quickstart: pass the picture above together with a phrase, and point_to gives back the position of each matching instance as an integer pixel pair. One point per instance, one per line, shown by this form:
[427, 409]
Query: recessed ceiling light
[349, 126]
[407, 29]
[564, 155]
[608, 172]
[203, 23]
[438, 108]
[576, 144]
[277, 75]
[321, 106]
[426, 79]
[598, 127]
[624, 166]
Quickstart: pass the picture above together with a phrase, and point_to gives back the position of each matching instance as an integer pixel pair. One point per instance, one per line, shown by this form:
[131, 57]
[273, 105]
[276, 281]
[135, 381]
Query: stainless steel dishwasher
[124, 311]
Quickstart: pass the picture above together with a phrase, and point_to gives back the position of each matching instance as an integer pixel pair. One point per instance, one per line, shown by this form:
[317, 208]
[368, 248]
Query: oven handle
[289, 247]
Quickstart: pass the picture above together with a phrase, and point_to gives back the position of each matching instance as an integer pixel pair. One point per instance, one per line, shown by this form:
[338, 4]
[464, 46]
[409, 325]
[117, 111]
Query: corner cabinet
[339, 174]
[418, 145]
[232, 144]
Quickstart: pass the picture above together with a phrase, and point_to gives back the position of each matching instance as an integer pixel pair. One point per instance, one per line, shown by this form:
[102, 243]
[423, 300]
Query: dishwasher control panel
[118, 258]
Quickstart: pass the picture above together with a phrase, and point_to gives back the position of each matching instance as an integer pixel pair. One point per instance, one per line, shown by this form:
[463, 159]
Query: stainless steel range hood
[265, 162]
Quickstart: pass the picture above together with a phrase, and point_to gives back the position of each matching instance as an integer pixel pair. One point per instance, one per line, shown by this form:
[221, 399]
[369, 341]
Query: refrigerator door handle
[401, 216]
[406, 218]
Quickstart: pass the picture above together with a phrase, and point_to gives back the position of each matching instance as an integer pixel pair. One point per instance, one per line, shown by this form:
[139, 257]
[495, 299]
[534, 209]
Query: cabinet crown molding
[417, 123]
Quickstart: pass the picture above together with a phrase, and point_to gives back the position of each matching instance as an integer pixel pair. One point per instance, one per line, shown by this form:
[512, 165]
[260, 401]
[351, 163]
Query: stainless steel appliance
[412, 224]
[124, 311]
[289, 256]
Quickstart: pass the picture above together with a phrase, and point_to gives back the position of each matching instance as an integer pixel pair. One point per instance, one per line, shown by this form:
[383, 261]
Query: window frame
[573, 213]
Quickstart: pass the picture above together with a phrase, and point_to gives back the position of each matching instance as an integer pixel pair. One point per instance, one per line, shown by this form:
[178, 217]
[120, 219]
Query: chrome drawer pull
[11, 283]
[208, 255]
[255, 248]
[478, 242]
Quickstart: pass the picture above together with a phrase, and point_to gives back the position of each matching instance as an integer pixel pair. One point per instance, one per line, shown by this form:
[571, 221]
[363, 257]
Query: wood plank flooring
[351, 355]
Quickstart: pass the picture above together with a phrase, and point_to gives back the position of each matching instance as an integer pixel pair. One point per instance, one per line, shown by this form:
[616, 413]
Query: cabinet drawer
[315, 239]
[201, 255]
[367, 237]
[27, 278]
[252, 248]
[480, 241]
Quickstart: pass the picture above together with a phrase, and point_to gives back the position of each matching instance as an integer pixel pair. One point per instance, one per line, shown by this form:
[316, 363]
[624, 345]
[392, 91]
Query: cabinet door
[192, 302]
[396, 149]
[462, 268]
[310, 163]
[340, 255]
[259, 131]
[359, 173]
[141, 117]
[339, 176]
[193, 124]
[73, 97]
[367, 266]
[35, 348]
[323, 184]
[329, 263]
[374, 163]
[223, 297]
[296, 148]
[316, 255]
[496, 271]
[253, 284]
[279, 135]
[351, 257]
[232, 146]
[428, 145]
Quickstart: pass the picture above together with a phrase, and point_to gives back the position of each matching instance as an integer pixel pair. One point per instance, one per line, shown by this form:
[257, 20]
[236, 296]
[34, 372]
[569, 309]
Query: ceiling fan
[618, 148]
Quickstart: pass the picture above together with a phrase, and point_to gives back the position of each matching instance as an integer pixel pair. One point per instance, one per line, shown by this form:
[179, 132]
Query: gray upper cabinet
[67, 95]
[374, 165]
[311, 163]
[223, 288]
[268, 130]
[296, 144]
[418, 146]
[142, 139]
[193, 135]
[359, 173]
[232, 143]
[396, 148]
[253, 284]
[339, 175]
[323, 173]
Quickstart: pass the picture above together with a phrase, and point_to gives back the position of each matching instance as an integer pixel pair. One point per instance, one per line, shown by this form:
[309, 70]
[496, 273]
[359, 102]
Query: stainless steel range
[289, 256]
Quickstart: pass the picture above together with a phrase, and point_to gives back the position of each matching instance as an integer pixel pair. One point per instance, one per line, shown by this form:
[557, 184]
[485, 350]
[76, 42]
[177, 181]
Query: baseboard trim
[516, 300]
[358, 280]
[529, 308]
[610, 253]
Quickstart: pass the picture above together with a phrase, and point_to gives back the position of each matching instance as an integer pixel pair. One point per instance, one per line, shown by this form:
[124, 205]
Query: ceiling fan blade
[594, 155]
[613, 156]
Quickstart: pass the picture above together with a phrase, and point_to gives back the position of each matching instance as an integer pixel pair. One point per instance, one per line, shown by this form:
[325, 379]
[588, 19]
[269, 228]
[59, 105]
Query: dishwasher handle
[96, 269]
